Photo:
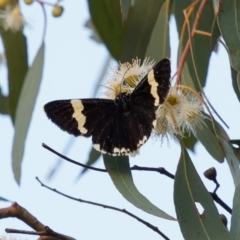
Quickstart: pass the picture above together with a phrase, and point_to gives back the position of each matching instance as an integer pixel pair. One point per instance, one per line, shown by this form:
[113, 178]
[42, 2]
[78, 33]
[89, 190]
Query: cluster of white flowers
[125, 78]
[11, 18]
[182, 110]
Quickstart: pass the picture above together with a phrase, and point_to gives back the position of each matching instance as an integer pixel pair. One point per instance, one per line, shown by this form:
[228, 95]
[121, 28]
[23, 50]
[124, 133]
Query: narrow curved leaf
[159, 46]
[125, 6]
[189, 141]
[94, 34]
[24, 111]
[229, 25]
[210, 141]
[3, 103]
[235, 221]
[107, 19]
[141, 20]
[236, 82]
[15, 46]
[232, 161]
[4, 199]
[93, 157]
[236, 150]
[189, 190]
[119, 170]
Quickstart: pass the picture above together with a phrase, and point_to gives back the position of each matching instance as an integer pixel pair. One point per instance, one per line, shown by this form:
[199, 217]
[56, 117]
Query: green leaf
[235, 221]
[4, 199]
[189, 190]
[107, 19]
[232, 161]
[93, 157]
[159, 46]
[3, 103]
[196, 66]
[236, 149]
[141, 21]
[229, 25]
[125, 6]
[236, 82]
[119, 170]
[94, 34]
[189, 141]
[24, 111]
[15, 46]
[210, 141]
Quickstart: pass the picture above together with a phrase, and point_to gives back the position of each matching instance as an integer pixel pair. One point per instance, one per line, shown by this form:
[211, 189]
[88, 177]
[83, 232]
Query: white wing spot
[154, 84]
[80, 118]
[141, 142]
[116, 151]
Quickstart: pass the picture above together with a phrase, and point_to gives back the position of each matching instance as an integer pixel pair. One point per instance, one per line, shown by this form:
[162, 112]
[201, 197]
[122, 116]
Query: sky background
[73, 64]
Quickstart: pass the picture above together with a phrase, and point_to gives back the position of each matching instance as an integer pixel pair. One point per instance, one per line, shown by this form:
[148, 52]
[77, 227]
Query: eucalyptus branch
[17, 211]
[160, 170]
[48, 232]
[154, 228]
[72, 161]
[218, 200]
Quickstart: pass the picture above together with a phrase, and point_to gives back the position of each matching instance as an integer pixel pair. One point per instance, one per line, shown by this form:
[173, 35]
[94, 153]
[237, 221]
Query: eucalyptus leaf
[229, 25]
[15, 47]
[189, 141]
[236, 150]
[232, 160]
[125, 6]
[107, 19]
[236, 82]
[3, 103]
[95, 36]
[24, 111]
[119, 170]
[93, 157]
[159, 45]
[189, 190]
[141, 20]
[4, 199]
[210, 141]
[235, 221]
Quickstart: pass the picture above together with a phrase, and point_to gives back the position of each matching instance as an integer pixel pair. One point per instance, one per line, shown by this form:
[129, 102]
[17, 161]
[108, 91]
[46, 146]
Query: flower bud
[211, 174]
[57, 11]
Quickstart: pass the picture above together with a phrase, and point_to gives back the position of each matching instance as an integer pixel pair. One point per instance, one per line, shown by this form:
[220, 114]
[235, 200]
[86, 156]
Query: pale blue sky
[73, 63]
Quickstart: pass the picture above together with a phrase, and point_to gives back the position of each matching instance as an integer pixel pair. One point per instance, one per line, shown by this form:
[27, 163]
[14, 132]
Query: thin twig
[72, 161]
[218, 200]
[46, 232]
[135, 167]
[187, 46]
[154, 228]
[159, 170]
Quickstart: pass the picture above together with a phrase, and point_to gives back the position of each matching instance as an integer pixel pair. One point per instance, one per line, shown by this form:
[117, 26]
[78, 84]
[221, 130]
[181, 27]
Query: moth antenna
[123, 77]
[109, 88]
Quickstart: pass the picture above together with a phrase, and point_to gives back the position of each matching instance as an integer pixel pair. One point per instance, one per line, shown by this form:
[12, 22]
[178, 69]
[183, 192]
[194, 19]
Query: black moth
[120, 126]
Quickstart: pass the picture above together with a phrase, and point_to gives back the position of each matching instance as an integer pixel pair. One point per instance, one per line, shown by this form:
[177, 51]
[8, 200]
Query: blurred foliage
[15, 47]
[131, 29]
